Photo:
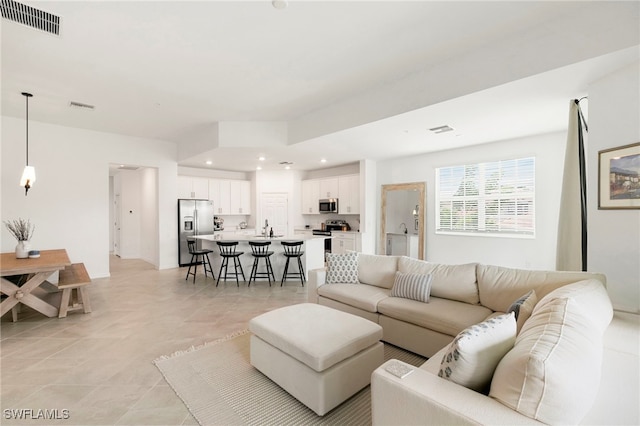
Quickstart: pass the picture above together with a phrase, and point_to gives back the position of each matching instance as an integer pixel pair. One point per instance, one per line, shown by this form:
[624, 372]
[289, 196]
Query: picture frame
[619, 177]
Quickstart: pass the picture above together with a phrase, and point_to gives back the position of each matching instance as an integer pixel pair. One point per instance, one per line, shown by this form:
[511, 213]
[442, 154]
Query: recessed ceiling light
[279, 4]
[209, 162]
[258, 168]
[323, 160]
[261, 158]
[287, 167]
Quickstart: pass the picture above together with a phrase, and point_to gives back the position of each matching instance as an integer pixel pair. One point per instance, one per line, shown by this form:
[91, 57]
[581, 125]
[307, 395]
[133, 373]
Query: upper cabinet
[328, 188]
[230, 197]
[220, 194]
[310, 196]
[193, 187]
[240, 202]
[345, 188]
[349, 194]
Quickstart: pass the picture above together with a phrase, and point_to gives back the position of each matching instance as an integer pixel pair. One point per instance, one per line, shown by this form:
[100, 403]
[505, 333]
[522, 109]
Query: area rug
[220, 387]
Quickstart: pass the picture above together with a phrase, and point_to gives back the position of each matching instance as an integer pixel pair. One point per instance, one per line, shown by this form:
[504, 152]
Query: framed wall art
[619, 177]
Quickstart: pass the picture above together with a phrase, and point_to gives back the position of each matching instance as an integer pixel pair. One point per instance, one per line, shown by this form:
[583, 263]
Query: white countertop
[239, 237]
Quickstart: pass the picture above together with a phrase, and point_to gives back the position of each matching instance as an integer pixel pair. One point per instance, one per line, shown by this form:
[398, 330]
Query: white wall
[149, 242]
[69, 203]
[537, 253]
[614, 235]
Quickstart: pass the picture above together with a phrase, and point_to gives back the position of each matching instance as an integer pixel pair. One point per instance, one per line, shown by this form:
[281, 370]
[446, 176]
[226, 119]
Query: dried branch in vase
[22, 230]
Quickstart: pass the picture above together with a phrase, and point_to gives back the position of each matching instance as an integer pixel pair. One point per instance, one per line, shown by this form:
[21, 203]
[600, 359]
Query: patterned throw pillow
[523, 307]
[412, 286]
[474, 354]
[342, 268]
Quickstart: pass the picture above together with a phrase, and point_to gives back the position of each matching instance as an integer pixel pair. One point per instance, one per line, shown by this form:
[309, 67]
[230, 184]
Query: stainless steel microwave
[329, 205]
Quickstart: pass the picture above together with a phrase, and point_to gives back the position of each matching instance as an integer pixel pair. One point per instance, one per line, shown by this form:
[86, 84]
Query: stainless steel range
[331, 225]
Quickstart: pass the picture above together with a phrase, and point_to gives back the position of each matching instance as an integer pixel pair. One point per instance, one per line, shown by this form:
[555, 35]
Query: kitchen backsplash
[315, 221]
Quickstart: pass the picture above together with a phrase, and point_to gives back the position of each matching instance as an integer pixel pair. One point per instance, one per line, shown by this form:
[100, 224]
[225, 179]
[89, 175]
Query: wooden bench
[72, 281]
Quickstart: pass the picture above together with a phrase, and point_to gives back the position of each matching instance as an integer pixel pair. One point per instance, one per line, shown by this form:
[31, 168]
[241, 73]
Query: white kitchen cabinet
[310, 196]
[193, 187]
[220, 194]
[230, 197]
[240, 197]
[344, 241]
[328, 188]
[349, 194]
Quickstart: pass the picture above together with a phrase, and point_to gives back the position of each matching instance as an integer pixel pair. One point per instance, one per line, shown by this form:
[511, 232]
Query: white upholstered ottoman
[319, 355]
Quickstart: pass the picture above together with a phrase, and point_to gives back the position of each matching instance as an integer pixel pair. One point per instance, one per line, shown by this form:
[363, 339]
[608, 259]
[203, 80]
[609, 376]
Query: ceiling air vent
[441, 129]
[30, 16]
[74, 104]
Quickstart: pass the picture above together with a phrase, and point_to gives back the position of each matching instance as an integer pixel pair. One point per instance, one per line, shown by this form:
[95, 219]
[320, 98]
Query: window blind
[494, 198]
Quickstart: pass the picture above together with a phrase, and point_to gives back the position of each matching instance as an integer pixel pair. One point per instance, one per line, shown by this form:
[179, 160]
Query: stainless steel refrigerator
[195, 217]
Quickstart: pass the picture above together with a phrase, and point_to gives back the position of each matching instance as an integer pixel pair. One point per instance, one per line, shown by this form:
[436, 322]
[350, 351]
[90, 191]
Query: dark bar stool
[293, 249]
[260, 250]
[198, 257]
[228, 251]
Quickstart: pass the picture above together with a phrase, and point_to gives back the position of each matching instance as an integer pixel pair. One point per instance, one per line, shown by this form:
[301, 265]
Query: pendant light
[29, 173]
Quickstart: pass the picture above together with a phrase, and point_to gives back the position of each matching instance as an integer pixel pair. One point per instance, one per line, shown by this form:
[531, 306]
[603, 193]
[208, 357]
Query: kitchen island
[313, 257]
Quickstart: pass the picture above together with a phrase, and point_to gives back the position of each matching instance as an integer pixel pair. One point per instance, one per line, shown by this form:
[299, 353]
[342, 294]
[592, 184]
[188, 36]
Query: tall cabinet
[349, 194]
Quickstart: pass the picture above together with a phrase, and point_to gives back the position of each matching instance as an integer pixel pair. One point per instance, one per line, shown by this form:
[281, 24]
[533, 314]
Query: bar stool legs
[254, 270]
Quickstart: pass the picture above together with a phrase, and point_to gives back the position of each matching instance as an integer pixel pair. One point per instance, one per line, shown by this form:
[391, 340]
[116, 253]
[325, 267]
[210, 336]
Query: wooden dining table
[29, 293]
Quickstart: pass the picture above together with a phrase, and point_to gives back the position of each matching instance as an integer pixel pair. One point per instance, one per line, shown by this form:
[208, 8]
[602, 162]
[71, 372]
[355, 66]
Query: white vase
[22, 249]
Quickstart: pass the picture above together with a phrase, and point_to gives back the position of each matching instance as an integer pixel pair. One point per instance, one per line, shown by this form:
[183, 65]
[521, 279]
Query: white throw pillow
[412, 286]
[523, 307]
[342, 268]
[474, 354]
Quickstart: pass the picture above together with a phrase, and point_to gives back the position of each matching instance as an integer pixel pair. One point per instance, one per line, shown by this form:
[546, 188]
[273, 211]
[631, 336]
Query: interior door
[275, 209]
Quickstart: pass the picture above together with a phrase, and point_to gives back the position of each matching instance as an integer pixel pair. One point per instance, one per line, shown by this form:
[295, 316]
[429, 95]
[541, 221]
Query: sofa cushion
[363, 296]
[442, 315]
[342, 268]
[499, 286]
[523, 307]
[412, 286]
[552, 374]
[455, 282]
[377, 270]
[473, 355]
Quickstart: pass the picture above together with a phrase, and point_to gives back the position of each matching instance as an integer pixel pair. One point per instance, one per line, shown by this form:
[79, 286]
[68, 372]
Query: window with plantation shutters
[493, 199]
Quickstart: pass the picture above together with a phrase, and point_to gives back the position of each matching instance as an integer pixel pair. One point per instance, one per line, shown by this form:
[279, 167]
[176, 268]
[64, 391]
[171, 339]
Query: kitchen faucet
[405, 227]
[266, 226]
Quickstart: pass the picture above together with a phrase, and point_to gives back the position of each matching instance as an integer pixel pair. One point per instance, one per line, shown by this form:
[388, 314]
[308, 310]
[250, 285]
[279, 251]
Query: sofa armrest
[422, 398]
[317, 278]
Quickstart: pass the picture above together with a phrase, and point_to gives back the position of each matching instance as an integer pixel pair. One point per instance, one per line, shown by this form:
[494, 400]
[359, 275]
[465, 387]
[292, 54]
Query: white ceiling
[347, 80]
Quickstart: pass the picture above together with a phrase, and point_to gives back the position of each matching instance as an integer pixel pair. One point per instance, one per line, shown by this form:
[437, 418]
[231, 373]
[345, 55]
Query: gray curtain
[571, 254]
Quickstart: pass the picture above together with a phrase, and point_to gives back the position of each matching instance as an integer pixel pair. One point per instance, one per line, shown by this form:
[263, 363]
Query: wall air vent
[30, 16]
[441, 129]
[74, 104]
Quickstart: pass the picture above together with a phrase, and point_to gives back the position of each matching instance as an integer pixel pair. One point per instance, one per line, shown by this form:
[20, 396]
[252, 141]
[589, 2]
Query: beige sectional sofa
[551, 375]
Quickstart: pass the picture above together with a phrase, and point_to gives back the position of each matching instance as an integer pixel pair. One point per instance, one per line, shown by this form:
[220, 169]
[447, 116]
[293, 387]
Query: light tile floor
[98, 366]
